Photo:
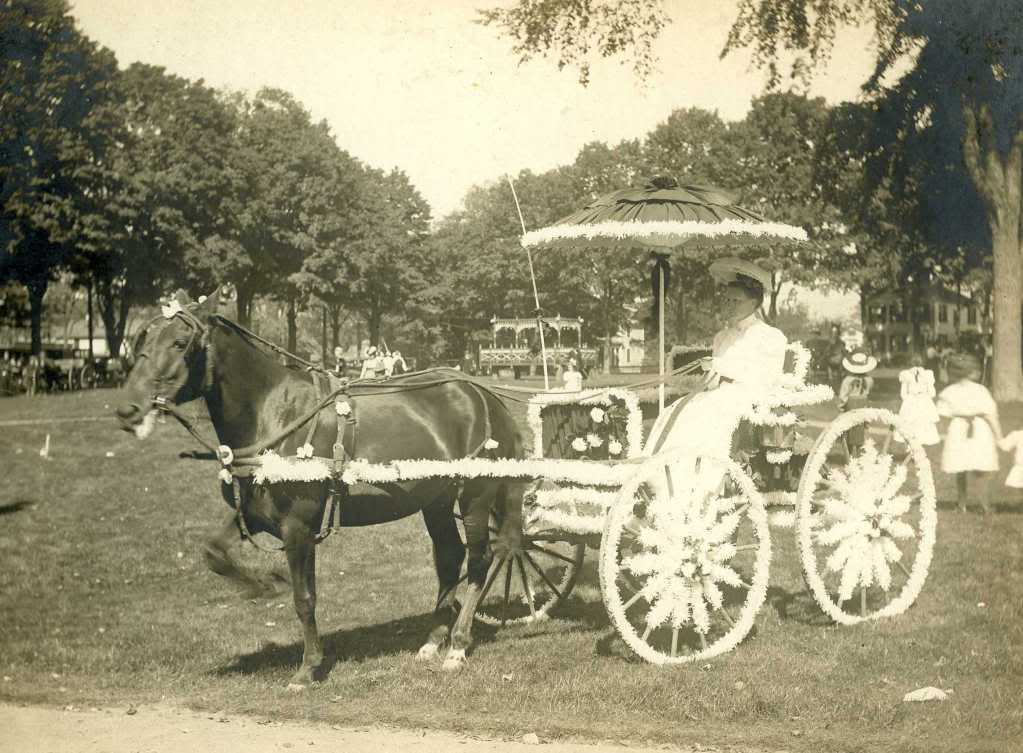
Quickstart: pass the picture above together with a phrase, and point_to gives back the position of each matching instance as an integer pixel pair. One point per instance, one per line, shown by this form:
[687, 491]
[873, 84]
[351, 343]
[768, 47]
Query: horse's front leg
[217, 552]
[301, 550]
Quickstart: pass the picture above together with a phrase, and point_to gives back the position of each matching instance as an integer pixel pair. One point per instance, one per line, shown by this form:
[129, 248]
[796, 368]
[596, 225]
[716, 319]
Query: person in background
[340, 366]
[854, 393]
[398, 365]
[974, 432]
[917, 391]
[571, 377]
[373, 364]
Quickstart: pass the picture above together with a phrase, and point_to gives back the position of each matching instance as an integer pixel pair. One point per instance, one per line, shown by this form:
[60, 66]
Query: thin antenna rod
[536, 296]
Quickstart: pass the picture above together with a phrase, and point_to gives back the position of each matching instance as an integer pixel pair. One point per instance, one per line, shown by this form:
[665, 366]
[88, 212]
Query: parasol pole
[660, 326]
[536, 296]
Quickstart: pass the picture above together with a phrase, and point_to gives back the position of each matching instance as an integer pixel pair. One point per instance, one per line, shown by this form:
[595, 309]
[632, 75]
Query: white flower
[225, 455]
[305, 451]
[491, 444]
[594, 440]
[778, 457]
[614, 447]
[343, 408]
[597, 414]
[579, 444]
[225, 476]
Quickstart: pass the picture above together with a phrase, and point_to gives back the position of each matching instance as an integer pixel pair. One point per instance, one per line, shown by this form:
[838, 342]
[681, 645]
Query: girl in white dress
[971, 444]
[918, 409]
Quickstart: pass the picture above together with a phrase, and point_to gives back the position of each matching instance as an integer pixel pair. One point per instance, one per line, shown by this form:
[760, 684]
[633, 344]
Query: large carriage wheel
[684, 559]
[865, 521]
[530, 575]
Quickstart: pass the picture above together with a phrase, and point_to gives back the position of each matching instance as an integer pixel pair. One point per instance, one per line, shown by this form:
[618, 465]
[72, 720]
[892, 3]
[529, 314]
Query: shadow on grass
[18, 506]
[403, 635]
[972, 507]
[797, 606]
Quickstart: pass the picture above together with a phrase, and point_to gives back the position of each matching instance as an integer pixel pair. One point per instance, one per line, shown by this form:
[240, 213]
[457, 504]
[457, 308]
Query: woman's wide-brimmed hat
[859, 362]
[371, 351]
[726, 269]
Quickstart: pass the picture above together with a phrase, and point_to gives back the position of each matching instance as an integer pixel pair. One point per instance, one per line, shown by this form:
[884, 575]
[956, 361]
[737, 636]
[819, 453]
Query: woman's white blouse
[751, 352]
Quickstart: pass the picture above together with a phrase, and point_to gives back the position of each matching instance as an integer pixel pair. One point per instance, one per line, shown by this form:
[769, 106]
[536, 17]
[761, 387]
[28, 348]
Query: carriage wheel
[684, 558]
[865, 521]
[530, 576]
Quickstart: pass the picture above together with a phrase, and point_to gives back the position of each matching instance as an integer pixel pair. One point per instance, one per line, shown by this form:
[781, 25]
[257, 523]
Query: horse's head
[170, 362]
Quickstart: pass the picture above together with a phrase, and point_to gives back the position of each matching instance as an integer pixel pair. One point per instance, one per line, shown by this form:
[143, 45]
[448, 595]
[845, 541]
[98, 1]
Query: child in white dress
[971, 444]
[1014, 441]
[918, 409]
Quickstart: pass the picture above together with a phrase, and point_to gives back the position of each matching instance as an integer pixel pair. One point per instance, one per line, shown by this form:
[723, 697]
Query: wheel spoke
[507, 591]
[646, 633]
[491, 579]
[903, 569]
[667, 478]
[525, 586]
[543, 575]
[550, 553]
[728, 617]
[635, 597]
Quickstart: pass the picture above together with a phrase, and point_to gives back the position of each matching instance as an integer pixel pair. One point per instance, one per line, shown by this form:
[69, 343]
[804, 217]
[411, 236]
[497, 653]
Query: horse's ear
[181, 297]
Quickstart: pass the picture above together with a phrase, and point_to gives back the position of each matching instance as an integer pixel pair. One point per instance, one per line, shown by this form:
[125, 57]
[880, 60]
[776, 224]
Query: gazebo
[515, 356]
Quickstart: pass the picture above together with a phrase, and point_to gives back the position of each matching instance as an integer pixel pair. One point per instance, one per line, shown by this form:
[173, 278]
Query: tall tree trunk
[292, 325]
[608, 352]
[113, 310]
[88, 319]
[36, 292]
[244, 305]
[334, 311]
[998, 179]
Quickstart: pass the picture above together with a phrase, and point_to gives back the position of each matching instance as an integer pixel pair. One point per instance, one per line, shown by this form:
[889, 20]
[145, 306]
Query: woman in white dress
[918, 409]
[748, 357]
[971, 444]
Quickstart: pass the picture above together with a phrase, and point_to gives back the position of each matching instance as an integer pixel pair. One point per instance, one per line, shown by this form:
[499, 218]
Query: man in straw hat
[748, 357]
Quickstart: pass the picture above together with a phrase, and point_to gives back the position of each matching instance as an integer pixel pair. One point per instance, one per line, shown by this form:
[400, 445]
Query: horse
[193, 352]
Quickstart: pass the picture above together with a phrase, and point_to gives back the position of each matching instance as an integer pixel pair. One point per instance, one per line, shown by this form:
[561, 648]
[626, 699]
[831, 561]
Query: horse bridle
[196, 342]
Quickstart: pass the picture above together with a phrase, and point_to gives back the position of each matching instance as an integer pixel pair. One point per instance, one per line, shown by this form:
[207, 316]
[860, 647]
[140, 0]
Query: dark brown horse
[192, 352]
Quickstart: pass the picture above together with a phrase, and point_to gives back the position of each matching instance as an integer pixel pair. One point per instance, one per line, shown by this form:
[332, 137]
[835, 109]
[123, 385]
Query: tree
[388, 263]
[570, 30]
[51, 79]
[961, 101]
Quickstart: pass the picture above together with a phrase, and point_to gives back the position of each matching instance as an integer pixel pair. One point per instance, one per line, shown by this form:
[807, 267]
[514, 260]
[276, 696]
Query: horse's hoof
[296, 687]
[428, 652]
[455, 660]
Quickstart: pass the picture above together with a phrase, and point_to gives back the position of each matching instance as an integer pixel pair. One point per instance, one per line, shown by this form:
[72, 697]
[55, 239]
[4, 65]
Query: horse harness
[240, 463]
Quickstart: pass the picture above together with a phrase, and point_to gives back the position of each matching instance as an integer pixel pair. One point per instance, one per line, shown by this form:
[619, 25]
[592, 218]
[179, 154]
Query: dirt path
[165, 729]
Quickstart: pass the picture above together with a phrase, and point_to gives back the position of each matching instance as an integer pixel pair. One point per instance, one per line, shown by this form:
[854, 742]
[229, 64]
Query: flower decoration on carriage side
[861, 525]
[594, 440]
[609, 413]
[579, 444]
[614, 447]
[685, 559]
[778, 457]
[597, 415]
[863, 521]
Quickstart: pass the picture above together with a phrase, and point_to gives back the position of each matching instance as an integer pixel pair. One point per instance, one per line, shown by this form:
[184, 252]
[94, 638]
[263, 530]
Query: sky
[421, 87]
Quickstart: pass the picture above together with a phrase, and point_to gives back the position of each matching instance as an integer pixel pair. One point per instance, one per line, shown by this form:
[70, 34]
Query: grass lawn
[105, 600]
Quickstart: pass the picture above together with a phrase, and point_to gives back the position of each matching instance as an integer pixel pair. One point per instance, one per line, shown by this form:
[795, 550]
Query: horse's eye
[180, 344]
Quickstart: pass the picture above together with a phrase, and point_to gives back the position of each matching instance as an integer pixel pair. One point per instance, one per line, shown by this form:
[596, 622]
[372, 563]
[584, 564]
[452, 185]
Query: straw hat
[726, 269]
[858, 362]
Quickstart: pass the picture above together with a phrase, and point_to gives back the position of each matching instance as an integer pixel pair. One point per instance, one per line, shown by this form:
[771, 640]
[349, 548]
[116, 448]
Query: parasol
[663, 214]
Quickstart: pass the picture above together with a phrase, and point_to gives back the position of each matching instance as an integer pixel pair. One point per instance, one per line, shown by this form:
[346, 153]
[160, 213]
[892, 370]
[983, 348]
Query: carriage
[684, 538]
